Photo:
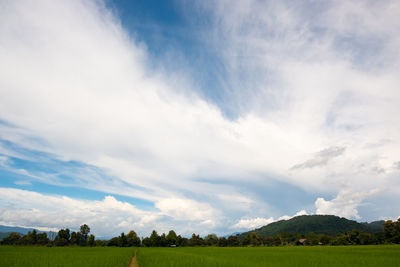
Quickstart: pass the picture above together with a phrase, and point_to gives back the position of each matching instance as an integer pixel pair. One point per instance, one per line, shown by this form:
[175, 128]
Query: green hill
[318, 224]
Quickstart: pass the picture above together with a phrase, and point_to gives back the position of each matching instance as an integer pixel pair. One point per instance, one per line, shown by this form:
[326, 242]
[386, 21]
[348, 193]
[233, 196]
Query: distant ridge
[318, 224]
[5, 231]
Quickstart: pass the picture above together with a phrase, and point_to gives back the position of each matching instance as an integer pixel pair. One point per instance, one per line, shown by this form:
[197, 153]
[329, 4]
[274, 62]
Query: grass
[31, 256]
[271, 256]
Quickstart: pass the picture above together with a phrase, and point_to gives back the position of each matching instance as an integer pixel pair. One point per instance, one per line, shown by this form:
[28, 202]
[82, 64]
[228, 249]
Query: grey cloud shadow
[321, 158]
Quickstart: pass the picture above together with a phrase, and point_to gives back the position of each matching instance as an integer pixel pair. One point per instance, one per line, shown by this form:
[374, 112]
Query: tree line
[390, 235]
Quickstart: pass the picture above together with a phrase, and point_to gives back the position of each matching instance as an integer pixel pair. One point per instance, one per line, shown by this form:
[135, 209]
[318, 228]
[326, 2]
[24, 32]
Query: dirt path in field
[133, 261]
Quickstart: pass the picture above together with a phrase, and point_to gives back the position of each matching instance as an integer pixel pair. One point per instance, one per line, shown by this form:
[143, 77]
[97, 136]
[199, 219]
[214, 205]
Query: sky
[197, 116]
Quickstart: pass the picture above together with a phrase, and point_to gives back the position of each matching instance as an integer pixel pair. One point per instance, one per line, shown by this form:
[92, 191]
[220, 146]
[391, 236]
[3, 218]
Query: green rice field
[383, 255]
[11, 256]
[271, 256]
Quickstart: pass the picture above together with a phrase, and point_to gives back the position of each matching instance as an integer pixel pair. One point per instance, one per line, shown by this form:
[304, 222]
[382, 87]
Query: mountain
[10, 229]
[318, 224]
[7, 230]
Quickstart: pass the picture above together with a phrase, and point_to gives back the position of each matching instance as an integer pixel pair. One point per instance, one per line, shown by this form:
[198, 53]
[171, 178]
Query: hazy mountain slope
[6, 230]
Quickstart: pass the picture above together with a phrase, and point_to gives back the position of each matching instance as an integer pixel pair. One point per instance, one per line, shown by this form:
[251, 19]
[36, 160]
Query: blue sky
[206, 117]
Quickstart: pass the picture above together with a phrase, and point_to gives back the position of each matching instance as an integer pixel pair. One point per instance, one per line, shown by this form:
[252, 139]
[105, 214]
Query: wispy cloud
[23, 182]
[321, 158]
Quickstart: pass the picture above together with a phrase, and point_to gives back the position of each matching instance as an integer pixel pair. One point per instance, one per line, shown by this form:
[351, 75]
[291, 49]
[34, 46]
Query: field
[271, 256]
[65, 256]
[202, 256]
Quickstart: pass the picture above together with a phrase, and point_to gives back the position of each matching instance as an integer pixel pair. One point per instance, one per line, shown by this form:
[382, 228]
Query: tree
[84, 231]
[246, 240]
[29, 239]
[211, 240]
[196, 240]
[357, 237]
[154, 239]
[255, 239]
[340, 240]
[163, 240]
[91, 240]
[12, 239]
[132, 239]
[113, 242]
[75, 238]
[222, 242]
[233, 241]
[379, 238]
[34, 236]
[172, 239]
[289, 238]
[63, 237]
[64, 233]
[146, 242]
[122, 241]
[42, 239]
[392, 231]
[181, 241]
[312, 239]
[100, 243]
[271, 241]
[325, 239]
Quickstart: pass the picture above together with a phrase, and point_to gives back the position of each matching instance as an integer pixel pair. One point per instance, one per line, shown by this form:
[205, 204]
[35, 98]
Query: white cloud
[87, 93]
[106, 217]
[252, 223]
[26, 208]
[258, 222]
[299, 213]
[318, 83]
[186, 209]
[345, 204]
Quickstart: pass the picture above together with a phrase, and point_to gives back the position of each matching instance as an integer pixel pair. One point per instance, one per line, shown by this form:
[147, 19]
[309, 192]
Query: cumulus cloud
[186, 209]
[345, 204]
[26, 208]
[258, 222]
[252, 223]
[299, 213]
[105, 217]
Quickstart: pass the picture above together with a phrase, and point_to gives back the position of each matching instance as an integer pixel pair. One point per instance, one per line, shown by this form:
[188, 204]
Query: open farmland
[271, 256]
[11, 256]
[383, 255]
